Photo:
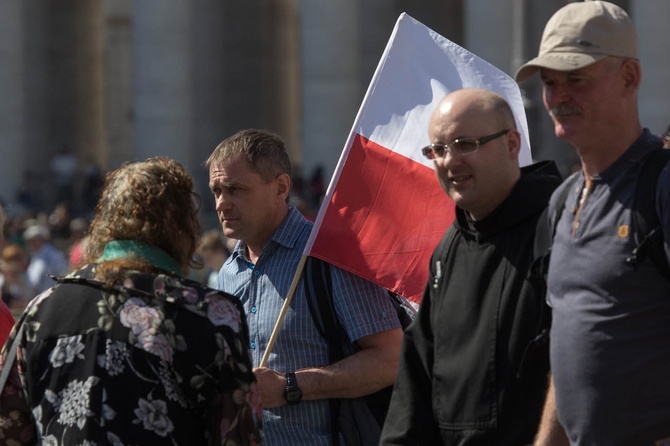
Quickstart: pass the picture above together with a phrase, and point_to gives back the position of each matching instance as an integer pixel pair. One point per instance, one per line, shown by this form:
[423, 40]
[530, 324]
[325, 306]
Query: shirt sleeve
[363, 308]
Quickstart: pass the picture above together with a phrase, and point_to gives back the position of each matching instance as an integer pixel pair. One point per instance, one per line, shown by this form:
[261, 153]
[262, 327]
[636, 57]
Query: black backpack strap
[319, 295]
[318, 292]
[545, 229]
[645, 218]
[537, 276]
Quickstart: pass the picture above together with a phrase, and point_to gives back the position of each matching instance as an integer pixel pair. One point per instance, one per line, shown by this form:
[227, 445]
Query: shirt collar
[286, 235]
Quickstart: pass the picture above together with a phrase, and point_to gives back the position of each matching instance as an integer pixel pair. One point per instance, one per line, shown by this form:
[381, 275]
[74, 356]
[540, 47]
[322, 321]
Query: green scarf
[127, 249]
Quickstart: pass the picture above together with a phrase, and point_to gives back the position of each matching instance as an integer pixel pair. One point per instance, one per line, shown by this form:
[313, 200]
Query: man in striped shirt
[250, 177]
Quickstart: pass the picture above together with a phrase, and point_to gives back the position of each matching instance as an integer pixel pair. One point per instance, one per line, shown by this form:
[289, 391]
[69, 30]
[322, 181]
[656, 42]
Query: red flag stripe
[384, 219]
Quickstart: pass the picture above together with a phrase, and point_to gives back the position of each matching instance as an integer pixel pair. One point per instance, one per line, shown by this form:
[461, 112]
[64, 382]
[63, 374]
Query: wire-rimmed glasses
[459, 146]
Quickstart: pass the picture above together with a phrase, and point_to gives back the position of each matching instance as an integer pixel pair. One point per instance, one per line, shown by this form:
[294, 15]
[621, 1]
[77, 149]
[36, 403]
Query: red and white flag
[384, 211]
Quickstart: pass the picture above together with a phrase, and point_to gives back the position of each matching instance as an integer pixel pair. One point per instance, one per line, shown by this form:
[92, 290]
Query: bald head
[473, 104]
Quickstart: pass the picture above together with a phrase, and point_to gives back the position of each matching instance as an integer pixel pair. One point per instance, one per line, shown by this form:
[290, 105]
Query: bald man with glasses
[473, 367]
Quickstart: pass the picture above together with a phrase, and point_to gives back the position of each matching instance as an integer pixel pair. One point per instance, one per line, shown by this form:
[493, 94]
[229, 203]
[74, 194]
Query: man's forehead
[464, 116]
[229, 165]
[221, 176]
[231, 174]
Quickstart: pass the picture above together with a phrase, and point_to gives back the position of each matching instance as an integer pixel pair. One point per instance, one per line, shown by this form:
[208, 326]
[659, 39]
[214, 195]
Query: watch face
[293, 396]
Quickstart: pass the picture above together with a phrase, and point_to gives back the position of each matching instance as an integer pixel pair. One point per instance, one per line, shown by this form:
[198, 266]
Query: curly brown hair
[151, 201]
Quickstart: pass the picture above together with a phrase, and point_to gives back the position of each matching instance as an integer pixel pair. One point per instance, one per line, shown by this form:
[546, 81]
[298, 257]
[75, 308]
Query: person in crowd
[59, 221]
[94, 180]
[666, 138]
[214, 253]
[77, 242]
[610, 333]
[14, 229]
[473, 367]
[126, 350]
[64, 166]
[250, 177]
[16, 291]
[6, 318]
[45, 258]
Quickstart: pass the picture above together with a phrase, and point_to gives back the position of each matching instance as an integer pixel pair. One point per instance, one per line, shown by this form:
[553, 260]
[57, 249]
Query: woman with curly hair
[126, 350]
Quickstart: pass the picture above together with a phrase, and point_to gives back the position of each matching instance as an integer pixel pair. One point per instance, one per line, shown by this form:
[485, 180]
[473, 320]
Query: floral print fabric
[161, 361]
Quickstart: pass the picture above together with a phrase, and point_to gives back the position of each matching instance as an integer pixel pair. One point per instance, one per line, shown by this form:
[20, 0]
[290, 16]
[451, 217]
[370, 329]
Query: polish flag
[384, 211]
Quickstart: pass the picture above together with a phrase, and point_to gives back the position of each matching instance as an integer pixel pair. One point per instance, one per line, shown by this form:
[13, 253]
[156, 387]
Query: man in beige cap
[610, 335]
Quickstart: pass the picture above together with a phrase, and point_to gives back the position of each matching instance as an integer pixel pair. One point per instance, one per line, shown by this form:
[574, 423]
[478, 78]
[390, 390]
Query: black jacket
[471, 370]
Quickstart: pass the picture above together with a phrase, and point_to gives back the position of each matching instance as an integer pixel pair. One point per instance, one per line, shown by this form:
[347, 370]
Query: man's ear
[283, 185]
[513, 144]
[632, 74]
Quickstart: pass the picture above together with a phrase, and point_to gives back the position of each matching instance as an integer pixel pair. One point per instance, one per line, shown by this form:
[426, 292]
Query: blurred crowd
[39, 244]
[43, 245]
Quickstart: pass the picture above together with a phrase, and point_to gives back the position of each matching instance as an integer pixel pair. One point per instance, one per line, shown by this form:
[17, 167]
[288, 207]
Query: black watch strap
[292, 393]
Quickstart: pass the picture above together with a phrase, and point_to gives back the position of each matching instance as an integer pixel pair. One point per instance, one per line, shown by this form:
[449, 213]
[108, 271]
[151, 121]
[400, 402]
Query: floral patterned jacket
[160, 361]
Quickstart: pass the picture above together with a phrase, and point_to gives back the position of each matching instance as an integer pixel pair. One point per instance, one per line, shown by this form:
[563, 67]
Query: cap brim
[556, 61]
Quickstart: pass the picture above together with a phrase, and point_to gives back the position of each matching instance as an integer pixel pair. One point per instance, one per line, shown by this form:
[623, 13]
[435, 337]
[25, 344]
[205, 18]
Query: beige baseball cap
[580, 34]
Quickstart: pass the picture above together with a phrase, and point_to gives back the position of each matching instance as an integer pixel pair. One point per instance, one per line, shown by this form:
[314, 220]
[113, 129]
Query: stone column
[119, 92]
[376, 21]
[446, 17]
[88, 38]
[12, 158]
[651, 20]
[281, 26]
[208, 70]
[489, 32]
[162, 68]
[331, 87]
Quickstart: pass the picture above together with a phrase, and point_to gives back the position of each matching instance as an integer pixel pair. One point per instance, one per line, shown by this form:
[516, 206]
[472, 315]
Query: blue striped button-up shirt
[362, 307]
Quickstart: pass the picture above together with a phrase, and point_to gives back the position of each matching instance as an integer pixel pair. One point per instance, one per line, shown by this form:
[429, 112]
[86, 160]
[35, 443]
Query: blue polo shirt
[610, 335]
[362, 307]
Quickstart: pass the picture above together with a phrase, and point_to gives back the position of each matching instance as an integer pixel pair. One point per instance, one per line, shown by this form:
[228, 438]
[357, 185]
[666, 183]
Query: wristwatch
[292, 393]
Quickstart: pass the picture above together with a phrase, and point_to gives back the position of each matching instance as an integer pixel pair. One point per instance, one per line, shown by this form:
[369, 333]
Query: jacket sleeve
[410, 419]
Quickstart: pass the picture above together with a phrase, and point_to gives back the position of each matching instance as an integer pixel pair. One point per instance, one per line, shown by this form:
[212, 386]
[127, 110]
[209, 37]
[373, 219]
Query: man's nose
[448, 161]
[556, 94]
[223, 203]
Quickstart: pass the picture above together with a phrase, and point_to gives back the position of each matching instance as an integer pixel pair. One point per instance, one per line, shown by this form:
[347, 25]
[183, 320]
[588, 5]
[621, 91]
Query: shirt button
[383, 314]
[253, 345]
[256, 272]
[254, 309]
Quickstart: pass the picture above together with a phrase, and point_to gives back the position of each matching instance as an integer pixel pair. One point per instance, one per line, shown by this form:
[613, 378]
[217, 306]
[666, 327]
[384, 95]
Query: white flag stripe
[418, 68]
